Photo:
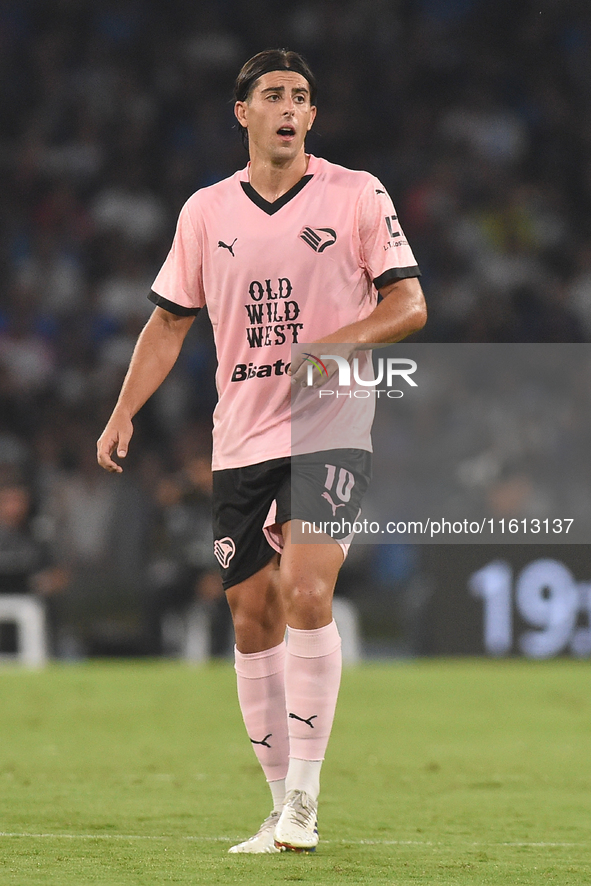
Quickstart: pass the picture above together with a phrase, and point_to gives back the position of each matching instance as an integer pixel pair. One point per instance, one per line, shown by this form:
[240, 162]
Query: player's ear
[240, 113]
[312, 117]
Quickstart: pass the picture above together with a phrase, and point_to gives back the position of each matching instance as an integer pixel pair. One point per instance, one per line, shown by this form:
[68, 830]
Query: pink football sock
[261, 693]
[312, 678]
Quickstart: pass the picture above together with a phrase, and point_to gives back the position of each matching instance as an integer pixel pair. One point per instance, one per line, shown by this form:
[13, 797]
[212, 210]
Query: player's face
[277, 114]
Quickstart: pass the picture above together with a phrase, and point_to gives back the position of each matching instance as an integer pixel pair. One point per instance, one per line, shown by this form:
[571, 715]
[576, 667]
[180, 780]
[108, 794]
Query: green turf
[439, 772]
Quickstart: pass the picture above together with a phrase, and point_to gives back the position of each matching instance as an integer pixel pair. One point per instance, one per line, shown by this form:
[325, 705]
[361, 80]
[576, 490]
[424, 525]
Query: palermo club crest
[224, 549]
[318, 239]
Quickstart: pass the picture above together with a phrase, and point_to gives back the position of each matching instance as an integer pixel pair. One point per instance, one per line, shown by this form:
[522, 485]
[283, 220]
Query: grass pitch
[439, 772]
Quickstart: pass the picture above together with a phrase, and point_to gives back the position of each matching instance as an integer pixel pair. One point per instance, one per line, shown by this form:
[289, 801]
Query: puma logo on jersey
[230, 248]
[318, 238]
[334, 507]
[224, 549]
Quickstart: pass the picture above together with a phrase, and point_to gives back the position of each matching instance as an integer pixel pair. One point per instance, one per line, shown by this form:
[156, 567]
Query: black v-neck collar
[272, 208]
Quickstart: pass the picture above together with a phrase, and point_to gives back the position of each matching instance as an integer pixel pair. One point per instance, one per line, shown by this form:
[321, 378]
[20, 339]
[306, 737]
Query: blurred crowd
[475, 115]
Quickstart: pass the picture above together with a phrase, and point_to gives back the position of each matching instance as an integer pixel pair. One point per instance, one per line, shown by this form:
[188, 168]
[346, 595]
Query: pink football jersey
[277, 274]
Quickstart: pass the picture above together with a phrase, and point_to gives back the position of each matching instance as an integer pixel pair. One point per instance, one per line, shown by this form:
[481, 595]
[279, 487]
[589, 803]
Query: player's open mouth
[286, 132]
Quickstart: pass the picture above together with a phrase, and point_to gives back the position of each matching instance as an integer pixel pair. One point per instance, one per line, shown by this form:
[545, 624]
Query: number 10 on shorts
[344, 482]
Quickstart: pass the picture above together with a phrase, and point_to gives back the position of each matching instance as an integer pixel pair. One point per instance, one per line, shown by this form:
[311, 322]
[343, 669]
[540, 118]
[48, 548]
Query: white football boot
[263, 840]
[297, 828]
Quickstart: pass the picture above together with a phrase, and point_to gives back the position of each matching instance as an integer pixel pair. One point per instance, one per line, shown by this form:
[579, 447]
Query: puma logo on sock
[302, 720]
[264, 741]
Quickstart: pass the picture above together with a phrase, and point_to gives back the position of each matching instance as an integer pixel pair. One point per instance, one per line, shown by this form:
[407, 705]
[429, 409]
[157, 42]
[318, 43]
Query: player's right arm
[155, 353]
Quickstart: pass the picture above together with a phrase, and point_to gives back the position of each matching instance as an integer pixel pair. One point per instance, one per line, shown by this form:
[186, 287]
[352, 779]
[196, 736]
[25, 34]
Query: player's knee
[253, 616]
[307, 595]
[256, 631]
[247, 619]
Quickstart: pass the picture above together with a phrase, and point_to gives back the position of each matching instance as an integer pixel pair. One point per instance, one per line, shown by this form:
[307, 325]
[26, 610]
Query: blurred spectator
[184, 571]
[101, 532]
[129, 209]
[26, 566]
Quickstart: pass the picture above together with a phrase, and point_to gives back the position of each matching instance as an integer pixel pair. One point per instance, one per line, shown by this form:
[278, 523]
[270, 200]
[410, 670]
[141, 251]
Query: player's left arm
[400, 312]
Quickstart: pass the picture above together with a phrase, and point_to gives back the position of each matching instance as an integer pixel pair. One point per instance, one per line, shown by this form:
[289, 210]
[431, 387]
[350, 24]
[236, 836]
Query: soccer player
[290, 249]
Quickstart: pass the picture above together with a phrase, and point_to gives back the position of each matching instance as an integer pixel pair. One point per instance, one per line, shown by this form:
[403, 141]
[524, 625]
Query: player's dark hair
[262, 63]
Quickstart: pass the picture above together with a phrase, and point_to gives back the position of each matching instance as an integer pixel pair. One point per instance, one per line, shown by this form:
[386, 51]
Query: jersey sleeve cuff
[172, 306]
[394, 274]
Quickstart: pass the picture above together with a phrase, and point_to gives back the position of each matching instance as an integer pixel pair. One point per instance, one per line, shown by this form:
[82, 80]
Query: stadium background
[476, 118]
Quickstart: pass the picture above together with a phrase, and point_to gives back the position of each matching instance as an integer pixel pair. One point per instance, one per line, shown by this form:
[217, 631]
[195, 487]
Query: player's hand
[115, 438]
[322, 370]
